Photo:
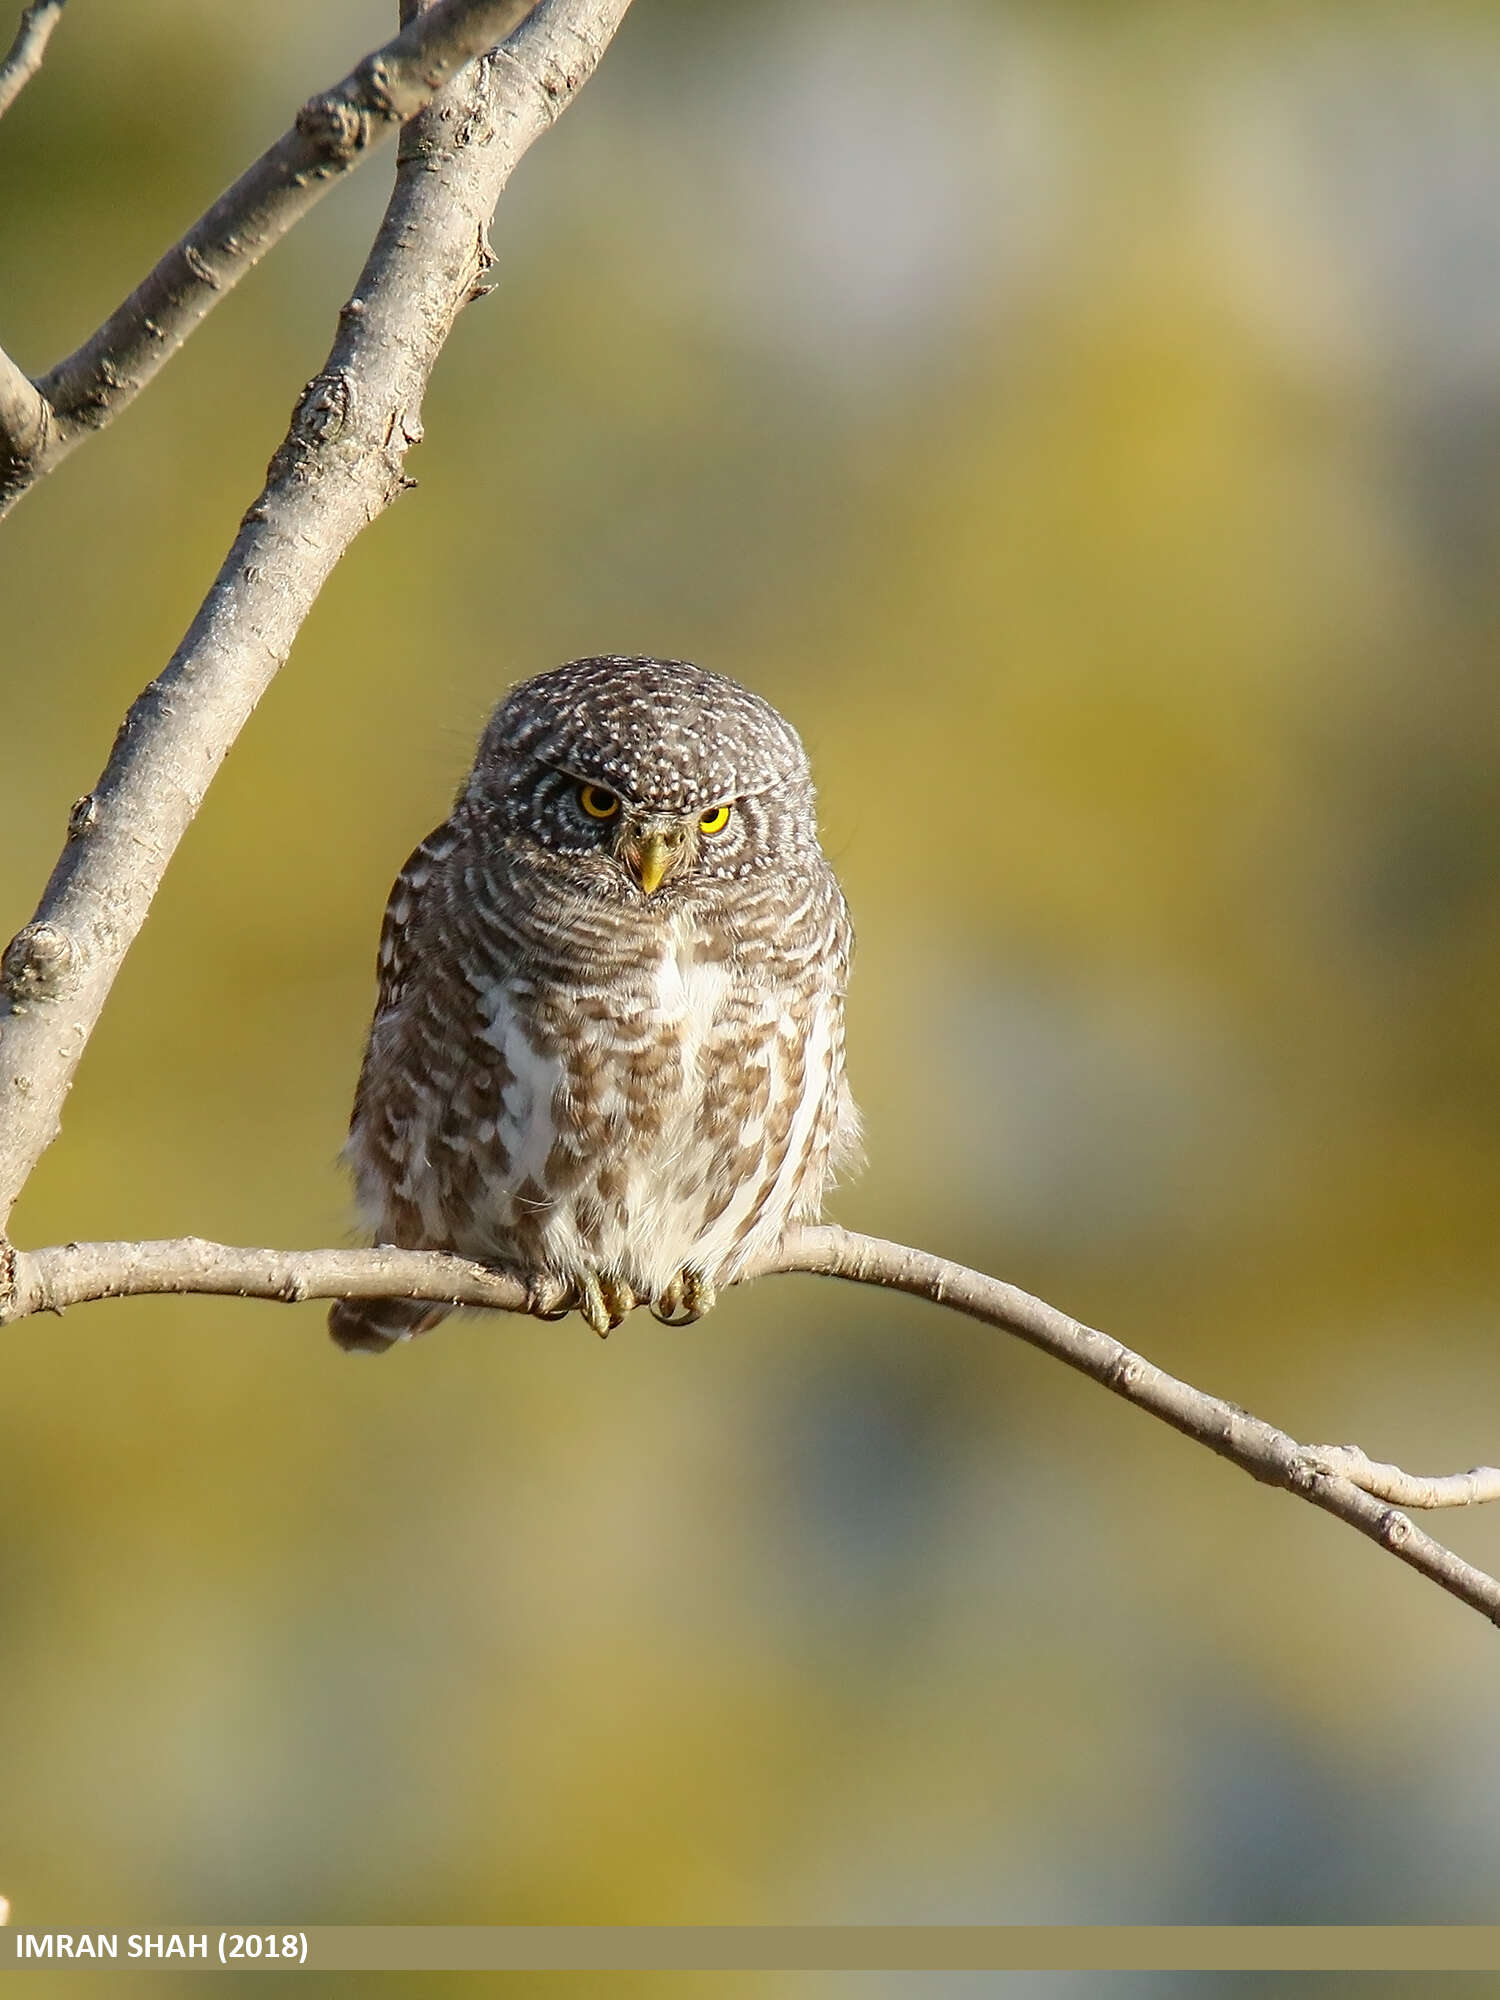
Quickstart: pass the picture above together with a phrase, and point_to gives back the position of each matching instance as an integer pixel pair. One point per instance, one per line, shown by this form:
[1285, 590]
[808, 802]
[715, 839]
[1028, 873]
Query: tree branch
[332, 133]
[1407, 1489]
[34, 1281]
[1337, 1478]
[339, 467]
[25, 419]
[26, 51]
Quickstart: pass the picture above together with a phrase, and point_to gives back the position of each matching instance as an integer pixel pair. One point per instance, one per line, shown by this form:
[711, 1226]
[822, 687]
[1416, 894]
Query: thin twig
[1266, 1453]
[341, 465]
[332, 133]
[1329, 1477]
[1407, 1489]
[27, 50]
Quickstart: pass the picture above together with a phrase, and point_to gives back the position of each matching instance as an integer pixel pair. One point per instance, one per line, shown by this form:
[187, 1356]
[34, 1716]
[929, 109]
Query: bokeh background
[1085, 421]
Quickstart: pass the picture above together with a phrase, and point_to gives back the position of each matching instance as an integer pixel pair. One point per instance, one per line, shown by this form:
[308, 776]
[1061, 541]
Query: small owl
[608, 1049]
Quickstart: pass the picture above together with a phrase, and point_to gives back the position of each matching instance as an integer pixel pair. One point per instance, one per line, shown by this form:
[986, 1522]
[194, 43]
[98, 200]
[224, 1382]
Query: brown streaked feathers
[624, 1097]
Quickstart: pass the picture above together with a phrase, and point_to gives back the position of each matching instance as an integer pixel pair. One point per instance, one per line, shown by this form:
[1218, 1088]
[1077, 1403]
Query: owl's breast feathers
[660, 1097]
[676, 1114]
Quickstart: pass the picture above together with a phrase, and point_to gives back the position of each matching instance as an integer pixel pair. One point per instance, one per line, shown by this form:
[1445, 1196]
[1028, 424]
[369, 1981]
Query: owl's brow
[608, 784]
[578, 777]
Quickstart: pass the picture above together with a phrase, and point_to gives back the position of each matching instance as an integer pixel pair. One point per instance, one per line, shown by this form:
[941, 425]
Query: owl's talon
[604, 1301]
[620, 1301]
[588, 1295]
[698, 1296]
[686, 1299]
[668, 1302]
[547, 1297]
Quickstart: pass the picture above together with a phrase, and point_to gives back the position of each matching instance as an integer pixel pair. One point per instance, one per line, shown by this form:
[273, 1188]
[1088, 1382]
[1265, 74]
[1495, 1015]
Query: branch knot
[374, 81]
[334, 127]
[1395, 1529]
[83, 817]
[39, 964]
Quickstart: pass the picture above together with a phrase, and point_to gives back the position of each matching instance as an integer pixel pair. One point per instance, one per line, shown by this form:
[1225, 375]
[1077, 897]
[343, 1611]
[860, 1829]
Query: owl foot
[547, 1297]
[604, 1301]
[687, 1298]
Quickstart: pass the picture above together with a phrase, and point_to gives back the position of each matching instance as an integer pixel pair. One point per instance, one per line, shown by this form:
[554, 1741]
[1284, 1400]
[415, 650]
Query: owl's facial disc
[645, 843]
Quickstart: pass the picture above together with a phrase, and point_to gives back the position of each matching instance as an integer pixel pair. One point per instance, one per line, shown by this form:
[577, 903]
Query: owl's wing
[386, 1098]
[400, 933]
[401, 945]
[388, 1105]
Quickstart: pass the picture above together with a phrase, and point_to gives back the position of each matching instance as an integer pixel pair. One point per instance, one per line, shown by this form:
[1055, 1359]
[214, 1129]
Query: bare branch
[340, 466]
[74, 1273]
[1407, 1489]
[1258, 1448]
[27, 50]
[1330, 1477]
[332, 133]
[25, 415]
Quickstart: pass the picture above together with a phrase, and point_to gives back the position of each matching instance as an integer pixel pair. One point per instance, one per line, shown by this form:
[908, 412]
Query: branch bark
[339, 467]
[24, 58]
[1337, 1478]
[332, 133]
[25, 420]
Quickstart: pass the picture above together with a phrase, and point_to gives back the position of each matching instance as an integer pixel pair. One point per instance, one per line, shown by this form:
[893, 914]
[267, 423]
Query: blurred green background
[1084, 421]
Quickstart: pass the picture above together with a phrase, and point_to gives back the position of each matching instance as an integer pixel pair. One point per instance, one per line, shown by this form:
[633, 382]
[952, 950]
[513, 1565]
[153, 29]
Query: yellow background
[1084, 421]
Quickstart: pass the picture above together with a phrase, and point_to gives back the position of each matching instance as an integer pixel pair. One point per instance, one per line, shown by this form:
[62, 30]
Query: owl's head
[638, 778]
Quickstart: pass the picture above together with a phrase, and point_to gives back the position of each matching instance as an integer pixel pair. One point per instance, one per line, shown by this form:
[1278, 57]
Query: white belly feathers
[658, 1223]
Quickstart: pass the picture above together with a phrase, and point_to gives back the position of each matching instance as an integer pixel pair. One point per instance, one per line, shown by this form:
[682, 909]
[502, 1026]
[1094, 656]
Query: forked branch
[331, 134]
[341, 465]
[1337, 1478]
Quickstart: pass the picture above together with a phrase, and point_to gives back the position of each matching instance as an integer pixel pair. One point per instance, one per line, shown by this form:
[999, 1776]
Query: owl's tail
[373, 1326]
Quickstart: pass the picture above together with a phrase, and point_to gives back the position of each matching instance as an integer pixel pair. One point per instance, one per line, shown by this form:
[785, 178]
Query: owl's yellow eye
[598, 803]
[715, 821]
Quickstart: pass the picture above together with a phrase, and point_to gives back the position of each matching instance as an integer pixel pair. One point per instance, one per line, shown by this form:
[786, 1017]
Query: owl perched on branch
[608, 1049]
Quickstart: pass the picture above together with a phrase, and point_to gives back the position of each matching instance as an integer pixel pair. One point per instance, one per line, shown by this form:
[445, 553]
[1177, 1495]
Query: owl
[608, 1048]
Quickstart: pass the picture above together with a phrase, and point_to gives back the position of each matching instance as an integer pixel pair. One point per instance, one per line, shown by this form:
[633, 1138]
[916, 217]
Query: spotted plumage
[608, 1048]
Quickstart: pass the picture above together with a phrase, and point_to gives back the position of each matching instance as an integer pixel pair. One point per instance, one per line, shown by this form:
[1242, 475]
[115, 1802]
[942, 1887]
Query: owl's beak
[652, 855]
